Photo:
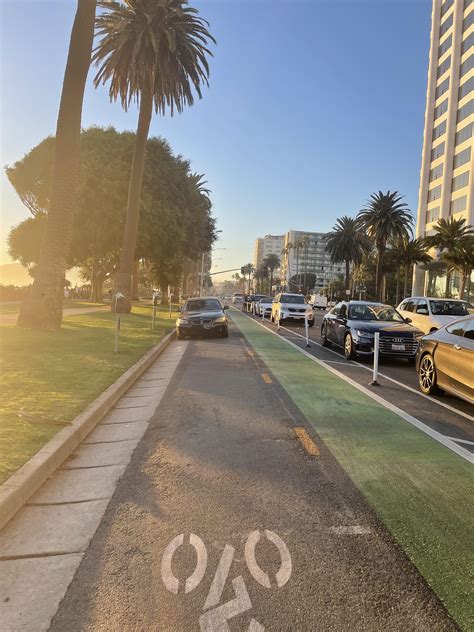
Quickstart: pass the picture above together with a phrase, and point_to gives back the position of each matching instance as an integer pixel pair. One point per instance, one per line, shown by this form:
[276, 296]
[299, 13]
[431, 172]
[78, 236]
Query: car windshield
[374, 312]
[449, 308]
[297, 300]
[197, 305]
[266, 299]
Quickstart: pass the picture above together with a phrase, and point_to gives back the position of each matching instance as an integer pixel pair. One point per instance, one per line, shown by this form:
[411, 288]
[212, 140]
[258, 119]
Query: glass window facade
[467, 65]
[434, 194]
[445, 46]
[458, 205]
[447, 4]
[464, 134]
[442, 108]
[460, 181]
[468, 21]
[461, 158]
[437, 151]
[443, 67]
[436, 172]
[439, 130]
[442, 88]
[465, 111]
[466, 88]
[467, 43]
[446, 25]
[432, 214]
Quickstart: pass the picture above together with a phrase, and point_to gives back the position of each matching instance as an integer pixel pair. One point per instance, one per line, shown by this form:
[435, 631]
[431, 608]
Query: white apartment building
[446, 178]
[268, 245]
[310, 258]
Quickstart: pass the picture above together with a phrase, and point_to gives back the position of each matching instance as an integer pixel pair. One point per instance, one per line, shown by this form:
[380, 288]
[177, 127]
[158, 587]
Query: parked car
[202, 316]
[237, 299]
[445, 360]
[292, 307]
[318, 301]
[429, 313]
[264, 304]
[351, 325]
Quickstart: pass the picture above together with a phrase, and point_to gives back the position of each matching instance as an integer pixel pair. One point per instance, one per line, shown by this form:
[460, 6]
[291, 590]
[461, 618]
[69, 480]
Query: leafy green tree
[42, 309]
[461, 259]
[347, 243]
[271, 263]
[155, 54]
[447, 234]
[24, 241]
[247, 269]
[406, 253]
[384, 218]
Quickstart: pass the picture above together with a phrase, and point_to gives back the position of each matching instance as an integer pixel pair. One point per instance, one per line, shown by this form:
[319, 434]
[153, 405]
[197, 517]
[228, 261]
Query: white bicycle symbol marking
[216, 617]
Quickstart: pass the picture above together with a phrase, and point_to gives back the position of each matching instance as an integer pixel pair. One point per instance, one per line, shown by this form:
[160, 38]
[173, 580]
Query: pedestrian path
[42, 547]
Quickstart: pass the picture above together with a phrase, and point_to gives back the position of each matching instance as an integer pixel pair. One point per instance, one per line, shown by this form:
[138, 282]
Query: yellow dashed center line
[306, 441]
[266, 378]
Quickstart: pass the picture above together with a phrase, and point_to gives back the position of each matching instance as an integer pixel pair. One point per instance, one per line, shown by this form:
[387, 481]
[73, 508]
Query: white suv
[293, 307]
[430, 313]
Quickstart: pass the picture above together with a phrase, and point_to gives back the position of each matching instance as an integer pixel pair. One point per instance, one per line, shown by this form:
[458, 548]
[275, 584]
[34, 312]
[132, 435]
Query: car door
[421, 315]
[340, 323]
[449, 342]
[330, 319]
[462, 361]
[275, 304]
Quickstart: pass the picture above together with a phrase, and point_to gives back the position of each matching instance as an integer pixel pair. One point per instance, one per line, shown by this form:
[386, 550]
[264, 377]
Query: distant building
[268, 245]
[311, 257]
[446, 178]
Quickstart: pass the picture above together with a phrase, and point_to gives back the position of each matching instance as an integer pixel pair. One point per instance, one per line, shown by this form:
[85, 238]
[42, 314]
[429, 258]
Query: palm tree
[271, 263]
[247, 269]
[43, 308]
[448, 233]
[461, 259]
[299, 243]
[385, 217]
[285, 254]
[347, 243]
[410, 252]
[259, 275]
[154, 53]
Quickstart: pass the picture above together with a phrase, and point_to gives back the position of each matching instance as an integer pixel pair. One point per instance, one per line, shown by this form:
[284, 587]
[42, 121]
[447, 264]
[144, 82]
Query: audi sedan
[352, 325]
[445, 360]
[202, 316]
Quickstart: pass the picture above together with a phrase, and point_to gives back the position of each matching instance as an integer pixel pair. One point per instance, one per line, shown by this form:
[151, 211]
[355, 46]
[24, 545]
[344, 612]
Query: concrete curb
[18, 489]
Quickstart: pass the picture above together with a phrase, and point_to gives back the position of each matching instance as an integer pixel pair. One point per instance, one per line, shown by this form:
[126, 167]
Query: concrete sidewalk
[223, 521]
[42, 546]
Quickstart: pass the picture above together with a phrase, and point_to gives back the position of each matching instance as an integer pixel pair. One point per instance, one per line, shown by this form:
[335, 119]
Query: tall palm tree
[461, 259]
[271, 263]
[410, 252]
[347, 243]
[299, 243]
[43, 308]
[154, 53]
[385, 217]
[447, 235]
[247, 269]
[286, 257]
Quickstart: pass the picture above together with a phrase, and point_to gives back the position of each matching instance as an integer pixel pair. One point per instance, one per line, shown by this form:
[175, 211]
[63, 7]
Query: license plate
[398, 347]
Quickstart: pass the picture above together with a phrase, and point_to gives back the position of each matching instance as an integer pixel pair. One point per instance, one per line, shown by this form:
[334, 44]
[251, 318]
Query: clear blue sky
[313, 105]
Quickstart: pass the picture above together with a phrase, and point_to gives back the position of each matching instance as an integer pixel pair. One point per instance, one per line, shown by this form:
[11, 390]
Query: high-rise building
[305, 252]
[268, 245]
[446, 179]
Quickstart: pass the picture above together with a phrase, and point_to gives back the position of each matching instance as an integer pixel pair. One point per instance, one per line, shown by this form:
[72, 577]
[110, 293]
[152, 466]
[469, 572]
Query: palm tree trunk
[297, 266]
[43, 308]
[463, 285]
[405, 284]
[124, 276]
[379, 275]
[348, 272]
[397, 288]
[447, 291]
[271, 282]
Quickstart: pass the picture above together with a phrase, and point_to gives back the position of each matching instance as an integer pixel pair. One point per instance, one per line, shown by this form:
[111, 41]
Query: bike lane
[233, 515]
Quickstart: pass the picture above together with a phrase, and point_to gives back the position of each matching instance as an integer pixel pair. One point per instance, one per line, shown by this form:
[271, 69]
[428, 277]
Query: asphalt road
[447, 414]
[221, 460]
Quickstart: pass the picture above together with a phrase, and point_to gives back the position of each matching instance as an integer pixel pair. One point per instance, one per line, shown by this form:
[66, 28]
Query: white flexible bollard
[263, 313]
[306, 329]
[376, 360]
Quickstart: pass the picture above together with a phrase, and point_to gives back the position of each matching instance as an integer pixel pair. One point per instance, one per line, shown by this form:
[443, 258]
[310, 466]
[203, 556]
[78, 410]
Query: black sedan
[445, 360]
[202, 316]
[351, 325]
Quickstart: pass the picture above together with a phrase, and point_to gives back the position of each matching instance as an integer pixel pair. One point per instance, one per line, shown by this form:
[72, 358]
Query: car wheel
[427, 375]
[348, 347]
[324, 340]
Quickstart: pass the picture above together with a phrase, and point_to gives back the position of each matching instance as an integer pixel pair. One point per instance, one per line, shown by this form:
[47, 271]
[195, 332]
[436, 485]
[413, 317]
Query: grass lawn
[421, 491]
[55, 375]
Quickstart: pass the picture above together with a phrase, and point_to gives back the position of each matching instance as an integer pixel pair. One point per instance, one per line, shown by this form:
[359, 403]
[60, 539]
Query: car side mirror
[408, 320]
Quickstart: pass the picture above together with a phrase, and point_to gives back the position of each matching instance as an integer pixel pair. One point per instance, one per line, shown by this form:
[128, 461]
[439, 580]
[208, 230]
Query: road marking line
[350, 530]
[437, 436]
[266, 378]
[384, 375]
[306, 441]
[461, 440]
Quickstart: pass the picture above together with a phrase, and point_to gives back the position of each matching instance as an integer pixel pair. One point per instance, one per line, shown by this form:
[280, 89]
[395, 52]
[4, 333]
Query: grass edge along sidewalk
[420, 490]
[49, 378]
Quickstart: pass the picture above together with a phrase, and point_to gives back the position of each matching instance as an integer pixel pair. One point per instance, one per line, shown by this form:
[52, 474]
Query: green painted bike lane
[421, 491]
